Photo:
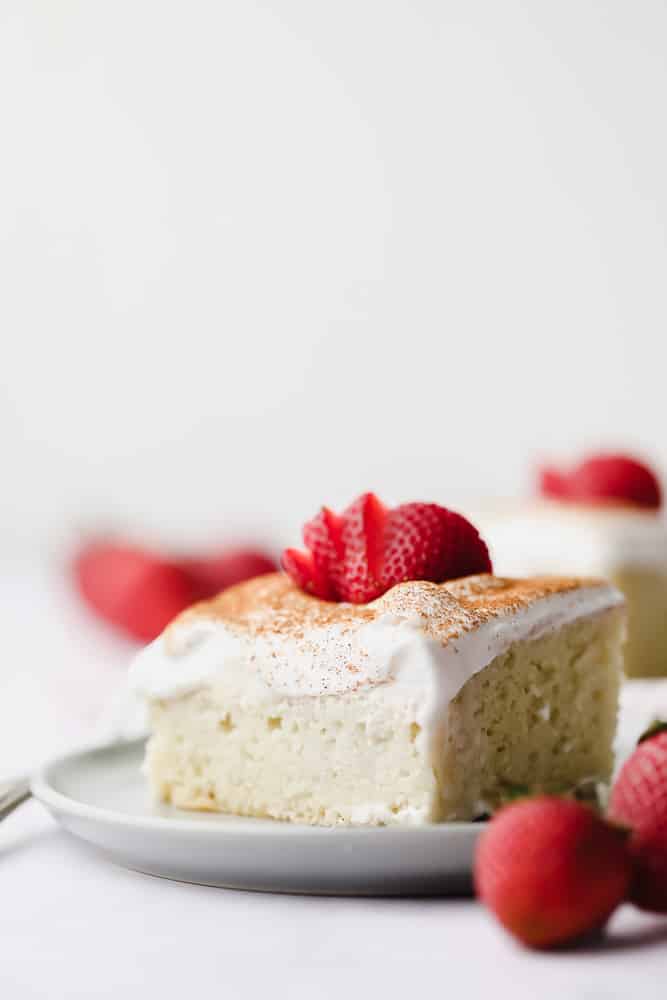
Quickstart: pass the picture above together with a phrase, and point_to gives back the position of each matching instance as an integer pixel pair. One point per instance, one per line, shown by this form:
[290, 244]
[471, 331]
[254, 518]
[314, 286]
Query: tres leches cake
[602, 518]
[352, 689]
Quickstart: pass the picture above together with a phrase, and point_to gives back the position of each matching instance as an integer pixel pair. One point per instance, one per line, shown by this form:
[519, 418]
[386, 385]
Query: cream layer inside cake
[433, 702]
[623, 544]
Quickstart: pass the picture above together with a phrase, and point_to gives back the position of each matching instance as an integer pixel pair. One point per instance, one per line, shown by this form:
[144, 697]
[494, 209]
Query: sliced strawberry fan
[358, 555]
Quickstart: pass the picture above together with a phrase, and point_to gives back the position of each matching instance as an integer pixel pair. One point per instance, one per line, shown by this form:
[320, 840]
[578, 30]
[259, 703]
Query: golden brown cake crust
[274, 605]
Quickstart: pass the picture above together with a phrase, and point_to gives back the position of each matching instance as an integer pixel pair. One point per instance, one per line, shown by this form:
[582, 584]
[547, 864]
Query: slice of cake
[603, 518]
[430, 702]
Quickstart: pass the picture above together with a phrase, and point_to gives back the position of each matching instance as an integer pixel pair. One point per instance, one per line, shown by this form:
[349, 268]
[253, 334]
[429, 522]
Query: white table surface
[72, 925]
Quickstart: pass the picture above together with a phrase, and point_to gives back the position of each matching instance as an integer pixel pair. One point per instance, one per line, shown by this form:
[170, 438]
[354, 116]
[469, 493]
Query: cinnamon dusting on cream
[273, 605]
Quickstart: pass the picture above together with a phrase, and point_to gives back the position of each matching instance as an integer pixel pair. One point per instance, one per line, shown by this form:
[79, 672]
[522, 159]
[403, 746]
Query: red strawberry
[305, 572]
[359, 577]
[324, 537]
[639, 800]
[131, 588]
[426, 542]
[362, 553]
[216, 573]
[551, 870]
[554, 484]
[604, 478]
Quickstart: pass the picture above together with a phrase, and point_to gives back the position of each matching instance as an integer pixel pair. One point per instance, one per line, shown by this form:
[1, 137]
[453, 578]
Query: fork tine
[12, 795]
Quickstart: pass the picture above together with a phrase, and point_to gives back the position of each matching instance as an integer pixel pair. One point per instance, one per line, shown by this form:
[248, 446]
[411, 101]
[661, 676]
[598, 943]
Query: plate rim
[43, 789]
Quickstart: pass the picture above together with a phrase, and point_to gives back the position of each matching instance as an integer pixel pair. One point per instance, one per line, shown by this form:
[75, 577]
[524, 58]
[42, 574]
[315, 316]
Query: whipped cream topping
[421, 641]
[552, 537]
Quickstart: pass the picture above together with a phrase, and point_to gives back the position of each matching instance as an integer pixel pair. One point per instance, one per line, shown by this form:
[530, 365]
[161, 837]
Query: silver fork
[12, 794]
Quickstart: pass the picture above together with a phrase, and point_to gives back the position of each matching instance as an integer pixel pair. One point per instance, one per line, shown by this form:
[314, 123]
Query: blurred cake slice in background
[431, 702]
[602, 518]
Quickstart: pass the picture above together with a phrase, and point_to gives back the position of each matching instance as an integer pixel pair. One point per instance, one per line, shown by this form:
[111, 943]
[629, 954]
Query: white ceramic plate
[101, 796]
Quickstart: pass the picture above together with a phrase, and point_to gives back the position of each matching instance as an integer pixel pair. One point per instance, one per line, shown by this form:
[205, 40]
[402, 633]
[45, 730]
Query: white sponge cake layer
[268, 702]
[317, 760]
[541, 717]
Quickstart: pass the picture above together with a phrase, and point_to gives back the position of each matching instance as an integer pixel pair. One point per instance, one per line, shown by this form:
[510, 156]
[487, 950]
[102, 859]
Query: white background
[259, 256]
